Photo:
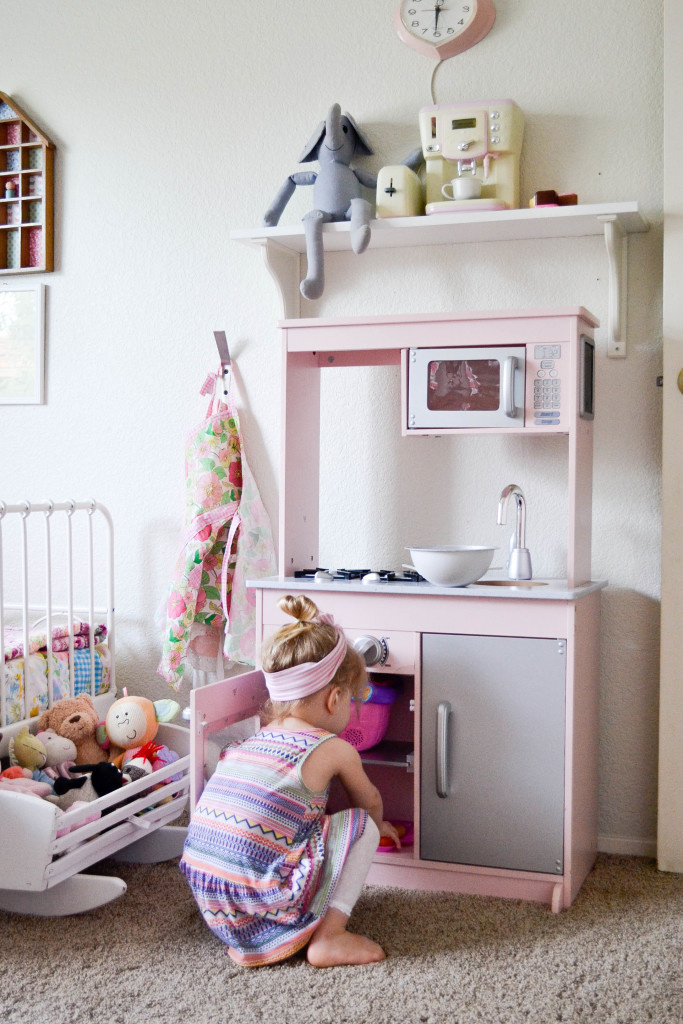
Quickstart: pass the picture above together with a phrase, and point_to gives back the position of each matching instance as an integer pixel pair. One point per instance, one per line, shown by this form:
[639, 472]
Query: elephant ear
[310, 150]
[362, 145]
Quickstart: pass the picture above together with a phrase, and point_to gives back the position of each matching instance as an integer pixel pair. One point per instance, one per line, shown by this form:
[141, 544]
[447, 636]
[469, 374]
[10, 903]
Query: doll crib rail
[56, 566]
[48, 586]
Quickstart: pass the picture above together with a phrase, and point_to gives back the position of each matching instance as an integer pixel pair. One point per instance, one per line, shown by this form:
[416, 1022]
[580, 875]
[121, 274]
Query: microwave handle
[508, 386]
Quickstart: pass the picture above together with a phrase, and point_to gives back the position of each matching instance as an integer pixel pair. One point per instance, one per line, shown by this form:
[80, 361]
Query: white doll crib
[57, 604]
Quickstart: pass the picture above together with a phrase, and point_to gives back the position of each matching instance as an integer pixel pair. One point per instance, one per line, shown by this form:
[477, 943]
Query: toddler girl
[269, 869]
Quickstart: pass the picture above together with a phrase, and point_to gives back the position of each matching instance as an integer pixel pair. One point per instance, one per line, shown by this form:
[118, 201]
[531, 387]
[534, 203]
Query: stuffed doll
[336, 191]
[76, 719]
[133, 721]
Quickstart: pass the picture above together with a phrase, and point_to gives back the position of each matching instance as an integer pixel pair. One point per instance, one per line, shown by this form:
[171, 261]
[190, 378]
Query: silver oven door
[466, 387]
[492, 761]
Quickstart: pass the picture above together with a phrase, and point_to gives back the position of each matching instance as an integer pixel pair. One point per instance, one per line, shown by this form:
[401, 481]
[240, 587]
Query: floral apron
[228, 538]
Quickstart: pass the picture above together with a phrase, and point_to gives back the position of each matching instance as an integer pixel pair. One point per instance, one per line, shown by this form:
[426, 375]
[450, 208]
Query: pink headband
[302, 680]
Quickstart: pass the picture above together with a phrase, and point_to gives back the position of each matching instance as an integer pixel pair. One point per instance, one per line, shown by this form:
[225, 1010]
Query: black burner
[385, 575]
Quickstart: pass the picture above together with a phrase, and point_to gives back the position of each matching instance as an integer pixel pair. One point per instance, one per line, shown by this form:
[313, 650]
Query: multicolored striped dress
[261, 856]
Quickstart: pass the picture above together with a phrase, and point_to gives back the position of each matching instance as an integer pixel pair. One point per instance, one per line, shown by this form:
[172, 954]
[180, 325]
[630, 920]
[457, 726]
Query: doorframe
[670, 799]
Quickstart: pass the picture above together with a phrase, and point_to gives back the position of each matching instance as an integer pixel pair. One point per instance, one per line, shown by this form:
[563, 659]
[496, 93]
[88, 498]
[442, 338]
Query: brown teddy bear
[77, 720]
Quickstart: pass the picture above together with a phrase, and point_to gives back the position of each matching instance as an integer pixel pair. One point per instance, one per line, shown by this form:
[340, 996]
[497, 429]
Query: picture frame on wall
[22, 343]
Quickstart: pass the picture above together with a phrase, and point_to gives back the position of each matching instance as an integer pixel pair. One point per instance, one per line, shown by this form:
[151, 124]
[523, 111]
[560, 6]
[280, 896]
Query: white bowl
[452, 566]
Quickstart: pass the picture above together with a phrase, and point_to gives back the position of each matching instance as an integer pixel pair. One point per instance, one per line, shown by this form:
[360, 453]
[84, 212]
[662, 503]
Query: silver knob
[373, 651]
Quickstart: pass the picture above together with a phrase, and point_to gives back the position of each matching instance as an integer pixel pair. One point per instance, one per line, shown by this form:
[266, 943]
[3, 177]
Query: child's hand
[388, 831]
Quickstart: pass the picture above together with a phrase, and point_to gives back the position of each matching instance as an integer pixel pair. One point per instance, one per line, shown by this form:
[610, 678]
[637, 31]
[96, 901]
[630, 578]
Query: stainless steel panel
[503, 787]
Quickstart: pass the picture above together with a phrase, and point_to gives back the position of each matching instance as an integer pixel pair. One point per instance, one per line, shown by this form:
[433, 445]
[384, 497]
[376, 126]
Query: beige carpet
[147, 958]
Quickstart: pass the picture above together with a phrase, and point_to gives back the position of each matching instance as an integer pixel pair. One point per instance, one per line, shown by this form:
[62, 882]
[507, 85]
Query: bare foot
[332, 946]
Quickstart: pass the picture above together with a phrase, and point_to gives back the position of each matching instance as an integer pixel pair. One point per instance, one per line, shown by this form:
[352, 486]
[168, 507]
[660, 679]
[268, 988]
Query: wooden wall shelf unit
[284, 246]
[26, 193]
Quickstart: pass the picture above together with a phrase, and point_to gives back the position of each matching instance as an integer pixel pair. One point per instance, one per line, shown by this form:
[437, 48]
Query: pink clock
[442, 28]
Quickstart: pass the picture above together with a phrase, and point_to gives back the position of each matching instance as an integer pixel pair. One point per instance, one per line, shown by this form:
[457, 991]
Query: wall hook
[224, 355]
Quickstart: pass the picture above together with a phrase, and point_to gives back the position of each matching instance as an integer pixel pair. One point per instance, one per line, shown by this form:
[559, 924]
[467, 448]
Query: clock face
[442, 28]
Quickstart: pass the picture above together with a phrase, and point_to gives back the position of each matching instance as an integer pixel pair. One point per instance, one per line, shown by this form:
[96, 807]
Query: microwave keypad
[547, 387]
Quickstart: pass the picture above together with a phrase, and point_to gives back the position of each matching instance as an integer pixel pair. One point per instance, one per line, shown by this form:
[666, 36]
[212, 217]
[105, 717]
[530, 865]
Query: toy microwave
[539, 386]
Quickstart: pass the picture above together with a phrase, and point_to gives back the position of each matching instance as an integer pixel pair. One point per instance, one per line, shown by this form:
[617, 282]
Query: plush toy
[336, 191]
[60, 753]
[102, 778]
[149, 758]
[133, 721]
[141, 761]
[23, 785]
[76, 719]
[27, 751]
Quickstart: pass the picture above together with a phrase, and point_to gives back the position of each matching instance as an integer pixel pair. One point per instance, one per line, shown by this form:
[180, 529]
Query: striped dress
[261, 856]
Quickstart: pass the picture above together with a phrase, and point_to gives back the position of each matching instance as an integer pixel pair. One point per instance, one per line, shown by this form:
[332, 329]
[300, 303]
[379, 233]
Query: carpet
[147, 958]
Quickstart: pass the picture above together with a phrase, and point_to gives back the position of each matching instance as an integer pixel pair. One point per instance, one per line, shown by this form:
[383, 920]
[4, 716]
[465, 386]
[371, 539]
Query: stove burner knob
[373, 651]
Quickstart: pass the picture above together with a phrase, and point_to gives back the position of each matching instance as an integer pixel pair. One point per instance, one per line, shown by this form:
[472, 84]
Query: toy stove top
[364, 575]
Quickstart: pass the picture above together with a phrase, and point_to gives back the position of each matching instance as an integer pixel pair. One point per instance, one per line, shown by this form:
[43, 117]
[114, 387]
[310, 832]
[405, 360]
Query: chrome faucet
[519, 564]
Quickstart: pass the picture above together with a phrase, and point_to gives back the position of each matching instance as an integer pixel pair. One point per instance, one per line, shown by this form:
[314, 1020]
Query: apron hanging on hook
[228, 538]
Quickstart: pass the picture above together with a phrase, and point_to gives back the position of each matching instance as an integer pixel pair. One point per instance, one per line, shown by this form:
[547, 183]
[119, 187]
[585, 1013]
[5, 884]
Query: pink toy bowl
[368, 727]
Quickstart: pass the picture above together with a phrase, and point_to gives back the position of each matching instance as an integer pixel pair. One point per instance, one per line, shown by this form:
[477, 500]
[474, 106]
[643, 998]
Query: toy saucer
[465, 206]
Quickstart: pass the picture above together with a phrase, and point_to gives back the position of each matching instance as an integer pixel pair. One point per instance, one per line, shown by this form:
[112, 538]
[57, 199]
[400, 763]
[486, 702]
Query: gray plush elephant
[336, 191]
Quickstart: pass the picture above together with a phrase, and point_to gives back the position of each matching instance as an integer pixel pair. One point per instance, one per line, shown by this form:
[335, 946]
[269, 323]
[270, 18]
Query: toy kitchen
[489, 746]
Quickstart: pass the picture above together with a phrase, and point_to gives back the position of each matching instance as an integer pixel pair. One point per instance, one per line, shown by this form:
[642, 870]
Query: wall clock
[442, 28]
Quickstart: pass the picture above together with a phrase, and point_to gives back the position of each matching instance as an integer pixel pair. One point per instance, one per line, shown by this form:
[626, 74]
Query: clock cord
[431, 84]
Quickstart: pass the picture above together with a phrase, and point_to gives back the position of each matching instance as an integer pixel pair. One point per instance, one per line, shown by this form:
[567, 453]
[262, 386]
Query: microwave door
[466, 388]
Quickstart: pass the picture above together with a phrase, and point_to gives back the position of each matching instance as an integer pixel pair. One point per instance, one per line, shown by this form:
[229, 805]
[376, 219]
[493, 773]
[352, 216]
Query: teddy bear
[76, 718]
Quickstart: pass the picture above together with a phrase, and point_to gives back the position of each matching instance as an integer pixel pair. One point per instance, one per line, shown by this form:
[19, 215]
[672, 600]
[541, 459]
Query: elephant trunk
[334, 134]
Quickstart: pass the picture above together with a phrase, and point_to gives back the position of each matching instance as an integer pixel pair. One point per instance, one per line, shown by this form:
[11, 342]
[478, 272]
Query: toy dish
[407, 839]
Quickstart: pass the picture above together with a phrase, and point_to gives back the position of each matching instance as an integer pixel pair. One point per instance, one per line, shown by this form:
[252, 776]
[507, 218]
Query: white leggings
[355, 870]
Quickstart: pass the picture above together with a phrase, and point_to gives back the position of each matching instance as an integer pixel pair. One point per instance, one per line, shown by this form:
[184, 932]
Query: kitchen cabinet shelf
[390, 753]
[285, 245]
[26, 193]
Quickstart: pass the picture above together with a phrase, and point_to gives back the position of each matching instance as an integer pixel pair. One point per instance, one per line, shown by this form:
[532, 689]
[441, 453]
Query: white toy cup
[467, 187]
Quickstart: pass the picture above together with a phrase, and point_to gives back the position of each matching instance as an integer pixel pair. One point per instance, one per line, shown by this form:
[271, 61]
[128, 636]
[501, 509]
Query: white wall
[175, 123]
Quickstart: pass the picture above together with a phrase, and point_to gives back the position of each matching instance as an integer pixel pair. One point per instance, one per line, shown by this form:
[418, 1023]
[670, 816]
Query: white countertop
[539, 589]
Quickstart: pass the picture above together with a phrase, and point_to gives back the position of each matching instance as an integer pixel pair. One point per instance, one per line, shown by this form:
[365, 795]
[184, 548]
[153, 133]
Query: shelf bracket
[617, 255]
[284, 266]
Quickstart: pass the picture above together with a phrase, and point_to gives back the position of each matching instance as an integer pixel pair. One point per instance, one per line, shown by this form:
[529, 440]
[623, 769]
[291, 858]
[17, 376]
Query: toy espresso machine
[472, 153]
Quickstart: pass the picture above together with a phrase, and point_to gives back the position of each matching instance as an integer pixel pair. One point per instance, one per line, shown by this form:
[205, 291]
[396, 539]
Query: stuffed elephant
[336, 191]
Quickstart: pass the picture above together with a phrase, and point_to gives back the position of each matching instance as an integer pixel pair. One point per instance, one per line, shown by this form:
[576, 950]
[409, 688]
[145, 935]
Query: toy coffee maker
[479, 141]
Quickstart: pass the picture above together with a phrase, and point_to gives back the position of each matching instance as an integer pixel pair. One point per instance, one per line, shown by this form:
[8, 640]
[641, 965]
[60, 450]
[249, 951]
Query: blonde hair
[308, 639]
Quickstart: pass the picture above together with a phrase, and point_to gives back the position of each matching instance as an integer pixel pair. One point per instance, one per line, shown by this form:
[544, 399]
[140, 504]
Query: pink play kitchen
[481, 728]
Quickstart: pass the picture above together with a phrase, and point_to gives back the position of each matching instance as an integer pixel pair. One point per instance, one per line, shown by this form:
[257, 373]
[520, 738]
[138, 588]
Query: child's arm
[337, 757]
[359, 789]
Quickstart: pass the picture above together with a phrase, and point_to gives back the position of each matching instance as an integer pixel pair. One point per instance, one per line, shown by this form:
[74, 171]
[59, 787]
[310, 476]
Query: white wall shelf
[284, 245]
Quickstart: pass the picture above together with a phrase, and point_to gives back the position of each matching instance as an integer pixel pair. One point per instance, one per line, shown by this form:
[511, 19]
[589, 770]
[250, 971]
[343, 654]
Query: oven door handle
[508, 386]
[443, 714]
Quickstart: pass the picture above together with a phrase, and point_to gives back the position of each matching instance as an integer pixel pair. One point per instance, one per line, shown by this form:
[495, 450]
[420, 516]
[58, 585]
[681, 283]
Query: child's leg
[355, 870]
[331, 944]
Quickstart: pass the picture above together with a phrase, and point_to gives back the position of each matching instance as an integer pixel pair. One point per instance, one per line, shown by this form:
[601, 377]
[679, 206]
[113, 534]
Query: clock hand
[437, 12]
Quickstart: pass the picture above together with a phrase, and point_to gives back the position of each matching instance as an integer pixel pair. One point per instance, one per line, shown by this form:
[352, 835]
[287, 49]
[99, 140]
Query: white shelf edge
[449, 229]
[283, 246]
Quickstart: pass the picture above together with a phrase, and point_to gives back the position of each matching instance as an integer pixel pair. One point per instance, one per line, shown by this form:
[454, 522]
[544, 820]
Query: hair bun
[300, 607]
